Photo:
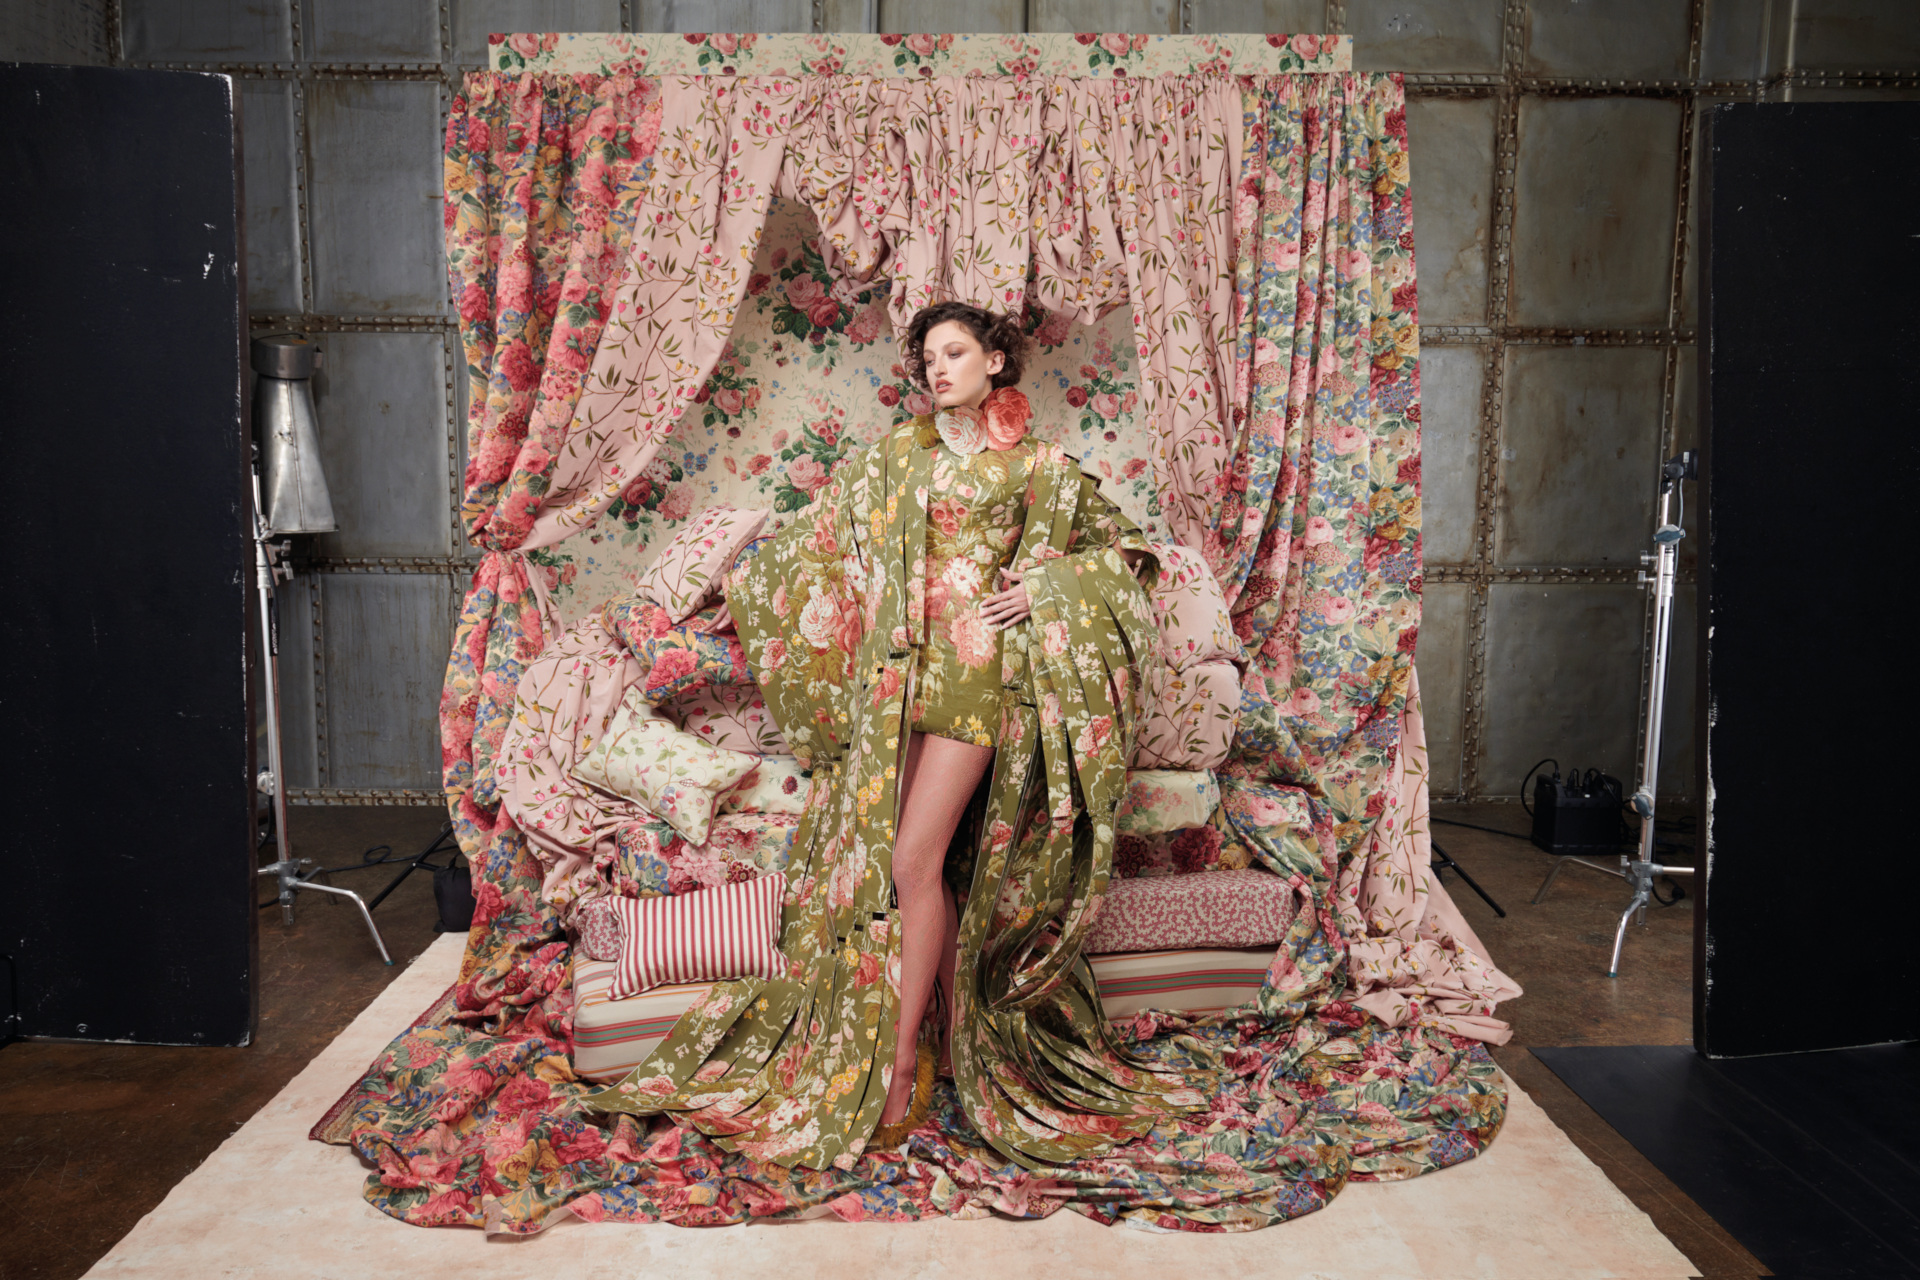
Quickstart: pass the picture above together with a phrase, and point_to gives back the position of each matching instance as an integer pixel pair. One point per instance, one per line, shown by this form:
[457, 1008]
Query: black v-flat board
[1810, 423]
[127, 901]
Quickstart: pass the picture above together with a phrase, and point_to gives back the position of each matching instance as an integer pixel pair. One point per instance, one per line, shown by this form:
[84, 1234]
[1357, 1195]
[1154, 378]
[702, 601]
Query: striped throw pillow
[729, 931]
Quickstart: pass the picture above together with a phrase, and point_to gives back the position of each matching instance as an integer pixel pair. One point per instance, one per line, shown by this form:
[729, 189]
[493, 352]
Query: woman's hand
[1004, 608]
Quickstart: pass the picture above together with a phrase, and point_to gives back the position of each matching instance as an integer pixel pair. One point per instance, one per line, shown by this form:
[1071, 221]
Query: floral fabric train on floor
[1212, 238]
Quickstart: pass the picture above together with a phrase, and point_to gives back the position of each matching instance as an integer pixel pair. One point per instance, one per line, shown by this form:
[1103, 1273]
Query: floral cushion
[1249, 908]
[1190, 719]
[686, 576]
[730, 716]
[779, 784]
[652, 761]
[1180, 853]
[1159, 800]
[651, 859]
[1194, 624]
[678, 657]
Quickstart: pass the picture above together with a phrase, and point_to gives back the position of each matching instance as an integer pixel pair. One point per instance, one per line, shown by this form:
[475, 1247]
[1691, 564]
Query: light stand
[299, 503]
[291, 874]
[1641, 869]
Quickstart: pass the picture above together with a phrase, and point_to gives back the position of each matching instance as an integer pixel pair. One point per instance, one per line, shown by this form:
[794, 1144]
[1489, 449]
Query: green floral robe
[832, 614]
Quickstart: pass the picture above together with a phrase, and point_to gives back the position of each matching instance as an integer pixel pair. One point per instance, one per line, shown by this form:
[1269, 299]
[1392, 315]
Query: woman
[959, 600]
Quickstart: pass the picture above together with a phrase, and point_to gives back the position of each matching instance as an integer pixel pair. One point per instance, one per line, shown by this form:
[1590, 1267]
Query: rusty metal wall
[1553, 146]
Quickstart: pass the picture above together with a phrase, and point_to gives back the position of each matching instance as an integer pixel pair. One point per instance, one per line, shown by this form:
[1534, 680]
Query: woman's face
[959, 370]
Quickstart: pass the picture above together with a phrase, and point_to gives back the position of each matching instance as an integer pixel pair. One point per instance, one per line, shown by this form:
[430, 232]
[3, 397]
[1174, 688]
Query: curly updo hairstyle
[993, 333]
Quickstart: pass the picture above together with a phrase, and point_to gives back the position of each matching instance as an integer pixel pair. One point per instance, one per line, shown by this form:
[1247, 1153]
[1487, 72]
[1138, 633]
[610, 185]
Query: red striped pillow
[730, 931]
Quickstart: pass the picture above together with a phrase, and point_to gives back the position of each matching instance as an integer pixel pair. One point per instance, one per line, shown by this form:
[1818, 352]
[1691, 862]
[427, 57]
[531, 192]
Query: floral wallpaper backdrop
[811, 373]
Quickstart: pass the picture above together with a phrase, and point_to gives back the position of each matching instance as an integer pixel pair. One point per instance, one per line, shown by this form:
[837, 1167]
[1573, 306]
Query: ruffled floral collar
[999, 423]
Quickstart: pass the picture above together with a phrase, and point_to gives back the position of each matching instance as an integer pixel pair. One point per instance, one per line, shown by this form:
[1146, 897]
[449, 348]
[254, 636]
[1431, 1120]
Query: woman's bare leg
[938, 782]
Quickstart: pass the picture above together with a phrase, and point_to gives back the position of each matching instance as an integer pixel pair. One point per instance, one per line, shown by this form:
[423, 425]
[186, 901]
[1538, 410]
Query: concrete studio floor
[94, 1136]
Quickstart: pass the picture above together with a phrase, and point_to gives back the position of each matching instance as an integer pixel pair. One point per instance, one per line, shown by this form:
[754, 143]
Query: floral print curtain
[543, 177]
[1258, 228]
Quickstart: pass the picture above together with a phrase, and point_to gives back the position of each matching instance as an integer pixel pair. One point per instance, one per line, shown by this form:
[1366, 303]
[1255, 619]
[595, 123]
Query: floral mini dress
[976, 512]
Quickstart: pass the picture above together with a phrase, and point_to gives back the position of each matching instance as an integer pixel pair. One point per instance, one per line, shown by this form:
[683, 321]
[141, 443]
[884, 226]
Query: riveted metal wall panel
[370, 31]
[1426, 35]
[850, 15]
[1563, 680]
[723, 15]
[1594, 211]
[1155, 17]
[386, 637]
[1442, 663]
[376, 198]
[299, 730]
[1736, 39]
[1451, 382]
[71, 32]
[381, 400]
[1579, 444]
[1450, 141]
[1225, 17]
[270, 152]
[234, 31]
[1511, 257]
[1617, 39]
[474, 20]
[936, 16]
[1856, 35]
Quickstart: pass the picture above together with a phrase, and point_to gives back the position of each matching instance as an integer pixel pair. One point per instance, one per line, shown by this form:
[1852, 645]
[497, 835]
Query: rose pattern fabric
[1159, 800]
[652, 859]
[1188, 851]
[1299, 484]
[778, 784]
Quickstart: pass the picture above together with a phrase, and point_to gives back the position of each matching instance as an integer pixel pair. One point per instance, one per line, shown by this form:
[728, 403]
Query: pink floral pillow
[1194, 624]
[730, 716]
[1190, 718]
[687, 574]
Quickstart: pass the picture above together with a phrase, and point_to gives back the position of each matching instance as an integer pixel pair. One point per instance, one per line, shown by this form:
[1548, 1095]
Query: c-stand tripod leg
[1446, 861]
[414, 863]
[1638, 904]
[366, 915]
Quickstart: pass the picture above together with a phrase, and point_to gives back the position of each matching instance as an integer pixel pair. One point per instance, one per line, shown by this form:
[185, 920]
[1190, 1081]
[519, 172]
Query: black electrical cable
[1529, 778]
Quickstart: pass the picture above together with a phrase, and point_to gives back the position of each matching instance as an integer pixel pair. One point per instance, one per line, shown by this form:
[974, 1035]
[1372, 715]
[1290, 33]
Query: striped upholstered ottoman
[1214, 935]
[612, 1037]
